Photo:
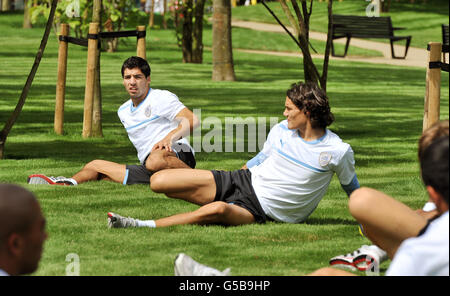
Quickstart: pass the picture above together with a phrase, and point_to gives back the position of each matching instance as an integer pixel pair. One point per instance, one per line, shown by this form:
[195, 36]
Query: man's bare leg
[329, 271]
[386, 221]
[92, 171]
[111, 171]
[192, 185]
[213, 213]
[198, 187]
[101, 170]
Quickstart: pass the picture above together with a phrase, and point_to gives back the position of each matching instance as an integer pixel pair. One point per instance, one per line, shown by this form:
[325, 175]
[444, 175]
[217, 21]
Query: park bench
[365, 27]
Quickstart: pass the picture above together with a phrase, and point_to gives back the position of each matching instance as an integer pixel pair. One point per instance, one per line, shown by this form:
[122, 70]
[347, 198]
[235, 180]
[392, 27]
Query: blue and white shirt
[290, 176]
[151, 120]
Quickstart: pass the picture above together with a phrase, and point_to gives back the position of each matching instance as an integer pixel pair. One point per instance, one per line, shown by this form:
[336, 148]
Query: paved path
[416, 57]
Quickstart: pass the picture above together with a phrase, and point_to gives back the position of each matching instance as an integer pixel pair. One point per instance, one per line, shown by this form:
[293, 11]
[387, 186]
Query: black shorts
[236, 188]
[138, 173]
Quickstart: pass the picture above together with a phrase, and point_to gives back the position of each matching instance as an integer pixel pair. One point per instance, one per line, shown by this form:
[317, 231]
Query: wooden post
[140, 51]
[61, 84]
[433, 87]
[90, 79]
[97, 130]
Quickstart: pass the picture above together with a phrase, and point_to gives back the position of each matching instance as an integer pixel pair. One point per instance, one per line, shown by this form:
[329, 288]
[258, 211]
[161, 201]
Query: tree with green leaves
[300, 25]
[23, 96]
[188, 19]
[115, 14]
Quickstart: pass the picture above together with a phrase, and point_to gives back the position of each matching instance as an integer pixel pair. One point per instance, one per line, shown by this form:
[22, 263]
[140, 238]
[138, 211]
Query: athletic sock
[146, 223]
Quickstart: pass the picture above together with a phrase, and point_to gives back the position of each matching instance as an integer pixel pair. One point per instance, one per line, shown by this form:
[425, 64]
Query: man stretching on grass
[284, 182]
[416, 245]
[156, 122]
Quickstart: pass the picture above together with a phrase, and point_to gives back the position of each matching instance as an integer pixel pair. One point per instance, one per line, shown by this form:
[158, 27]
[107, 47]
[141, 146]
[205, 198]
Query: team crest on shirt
[324, 158]
[148, 111]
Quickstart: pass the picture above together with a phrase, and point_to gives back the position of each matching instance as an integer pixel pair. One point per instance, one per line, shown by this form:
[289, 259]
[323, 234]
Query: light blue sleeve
[257, 160]
[272, 137]
[352, 186]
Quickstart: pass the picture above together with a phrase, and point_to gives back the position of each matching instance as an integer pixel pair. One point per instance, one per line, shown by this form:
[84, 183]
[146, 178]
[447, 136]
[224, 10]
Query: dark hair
[16, 214]
[434, 166]
[309, 97]
[437, 130]
[137, 62]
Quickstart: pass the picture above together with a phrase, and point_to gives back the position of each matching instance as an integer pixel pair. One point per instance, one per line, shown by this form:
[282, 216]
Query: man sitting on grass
[365, 256]
[284, 182]
[156, 122]
[417, 246]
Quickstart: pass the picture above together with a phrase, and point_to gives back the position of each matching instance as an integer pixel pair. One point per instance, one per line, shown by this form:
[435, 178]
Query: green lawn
[249, 39]
[422, 21]
[378, 110]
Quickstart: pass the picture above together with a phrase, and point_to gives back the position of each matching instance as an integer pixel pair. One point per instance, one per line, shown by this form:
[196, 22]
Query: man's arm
[257, 160]
[187, 123]
[345, 171]
[265, 152]
[352, 186]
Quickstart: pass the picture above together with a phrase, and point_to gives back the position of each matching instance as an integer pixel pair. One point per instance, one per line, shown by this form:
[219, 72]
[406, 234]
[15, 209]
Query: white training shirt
[151, 120]
[425, 255]
[294, 174]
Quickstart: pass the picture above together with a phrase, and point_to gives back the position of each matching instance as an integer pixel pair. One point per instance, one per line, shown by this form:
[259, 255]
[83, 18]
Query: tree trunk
[186, 31]
[191, 30]
[222, 50]
[151, 15]
[26, 15]
[13, 118]
[324, 77]
[6, 5]
[164, 21]
[301, 29]
[197, 34]
[301, 26]
[386, 5]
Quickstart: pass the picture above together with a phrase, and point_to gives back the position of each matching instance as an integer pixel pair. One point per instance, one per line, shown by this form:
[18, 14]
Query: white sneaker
[186, 266]
[43, 179]
[360, 259]
[117, 221]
